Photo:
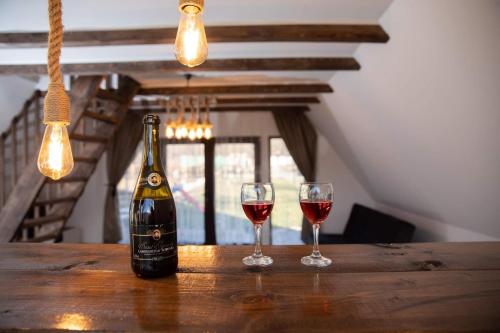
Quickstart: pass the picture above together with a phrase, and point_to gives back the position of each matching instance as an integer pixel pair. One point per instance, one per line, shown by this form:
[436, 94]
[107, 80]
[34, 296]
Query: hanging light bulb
[191, 47]
[170, 125]
[192, 124]
[208, 132]
[192, 134]
[207, 125]
[198, 125]
[199, 130]
[178, 133]
[170, 131]
[55, 159]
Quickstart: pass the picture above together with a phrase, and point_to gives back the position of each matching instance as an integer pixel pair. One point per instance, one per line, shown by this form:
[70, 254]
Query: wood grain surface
[170, 66]
[351, 33]
[384, 288]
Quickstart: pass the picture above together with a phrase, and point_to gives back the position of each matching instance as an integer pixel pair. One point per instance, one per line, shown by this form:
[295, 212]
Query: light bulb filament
[56, 149]
[55, 159]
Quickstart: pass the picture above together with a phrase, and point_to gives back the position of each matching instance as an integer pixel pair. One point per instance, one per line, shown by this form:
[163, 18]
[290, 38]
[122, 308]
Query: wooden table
[414, 287]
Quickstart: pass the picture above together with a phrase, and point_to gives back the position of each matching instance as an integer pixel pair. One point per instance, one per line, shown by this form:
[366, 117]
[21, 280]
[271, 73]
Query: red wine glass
[316, 201]
[257, 200]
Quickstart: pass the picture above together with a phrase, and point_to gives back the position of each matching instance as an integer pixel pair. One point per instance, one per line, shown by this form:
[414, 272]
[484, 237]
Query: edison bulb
[184, 132]
[199, 132]
[192, 134]
[191, 47]
[55, 159]
[208, 133]
[178, 133]
[169, 132]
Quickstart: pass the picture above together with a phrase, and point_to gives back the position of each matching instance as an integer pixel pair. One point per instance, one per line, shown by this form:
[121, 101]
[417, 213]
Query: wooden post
[2, 177]
[210, 235]
[38, 133]
[26, 136]
[13, 142]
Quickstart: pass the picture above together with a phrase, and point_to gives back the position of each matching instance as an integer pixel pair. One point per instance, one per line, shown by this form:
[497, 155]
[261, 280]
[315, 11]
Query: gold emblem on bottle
[156, 234]
[154, 179]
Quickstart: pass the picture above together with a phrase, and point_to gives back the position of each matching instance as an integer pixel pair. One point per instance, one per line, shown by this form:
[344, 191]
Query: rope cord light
[57, 103]
[55, 159]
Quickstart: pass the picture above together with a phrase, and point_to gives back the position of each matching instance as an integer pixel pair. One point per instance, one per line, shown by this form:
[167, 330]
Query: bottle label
[153, 242]
[154, 179]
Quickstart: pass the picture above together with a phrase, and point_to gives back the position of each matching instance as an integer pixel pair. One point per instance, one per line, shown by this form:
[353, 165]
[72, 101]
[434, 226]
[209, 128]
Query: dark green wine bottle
[153, 229]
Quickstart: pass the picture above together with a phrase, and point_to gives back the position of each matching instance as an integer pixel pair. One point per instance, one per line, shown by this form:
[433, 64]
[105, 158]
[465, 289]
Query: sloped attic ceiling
[420, 123]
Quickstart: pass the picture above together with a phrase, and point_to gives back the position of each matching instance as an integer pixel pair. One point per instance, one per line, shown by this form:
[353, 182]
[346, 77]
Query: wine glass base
[257, 261]
[316, 261]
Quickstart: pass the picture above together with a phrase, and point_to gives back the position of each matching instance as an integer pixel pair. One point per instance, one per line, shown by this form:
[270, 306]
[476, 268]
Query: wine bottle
[153, 229]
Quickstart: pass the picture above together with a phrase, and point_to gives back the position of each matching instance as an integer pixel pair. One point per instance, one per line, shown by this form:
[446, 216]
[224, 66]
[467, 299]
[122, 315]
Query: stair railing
[19, 143]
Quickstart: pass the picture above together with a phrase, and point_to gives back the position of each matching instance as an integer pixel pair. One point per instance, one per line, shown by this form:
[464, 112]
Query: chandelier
[189, 122]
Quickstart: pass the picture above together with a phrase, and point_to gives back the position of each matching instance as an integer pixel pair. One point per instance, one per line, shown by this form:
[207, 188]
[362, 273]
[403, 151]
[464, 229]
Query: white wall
[14, 91]
[347, 189]
[420, 122]
[88, 216]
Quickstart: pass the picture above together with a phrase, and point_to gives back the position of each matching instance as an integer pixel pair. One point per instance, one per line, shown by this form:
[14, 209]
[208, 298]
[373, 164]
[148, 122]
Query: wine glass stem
[316, 241]
[258, 232]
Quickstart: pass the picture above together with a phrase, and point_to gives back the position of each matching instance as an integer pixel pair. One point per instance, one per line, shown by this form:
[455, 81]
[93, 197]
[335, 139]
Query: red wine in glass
[316, 200]
[257, 211]
[257, 200]
[316, 211]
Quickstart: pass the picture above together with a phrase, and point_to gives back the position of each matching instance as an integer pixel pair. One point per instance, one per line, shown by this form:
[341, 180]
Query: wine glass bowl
[257, 200]
[316, 201]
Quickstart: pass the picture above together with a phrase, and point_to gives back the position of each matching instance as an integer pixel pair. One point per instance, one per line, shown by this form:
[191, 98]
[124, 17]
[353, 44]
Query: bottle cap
[151, 119]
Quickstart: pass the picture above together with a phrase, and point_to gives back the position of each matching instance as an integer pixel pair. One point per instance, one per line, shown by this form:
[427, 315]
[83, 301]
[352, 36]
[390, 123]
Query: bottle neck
[151, 158]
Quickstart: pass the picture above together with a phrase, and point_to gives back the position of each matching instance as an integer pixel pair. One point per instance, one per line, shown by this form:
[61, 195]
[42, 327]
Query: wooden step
[69, 179]
[39, 221]
[82, 159]
[88, 138]
[101, 117]
[43, 238]
[54, 201]
[111, 96]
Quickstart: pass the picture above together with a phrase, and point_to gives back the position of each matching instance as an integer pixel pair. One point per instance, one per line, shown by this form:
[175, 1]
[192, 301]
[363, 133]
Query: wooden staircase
[35, 208]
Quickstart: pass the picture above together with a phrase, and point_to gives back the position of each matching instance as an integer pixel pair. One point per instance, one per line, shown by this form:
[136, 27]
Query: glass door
[235, 163]
[185, 167]
[286, 217]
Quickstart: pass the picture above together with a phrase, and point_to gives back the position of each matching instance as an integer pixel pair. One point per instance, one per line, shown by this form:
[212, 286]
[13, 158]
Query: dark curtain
[119, 155]
[300, 138]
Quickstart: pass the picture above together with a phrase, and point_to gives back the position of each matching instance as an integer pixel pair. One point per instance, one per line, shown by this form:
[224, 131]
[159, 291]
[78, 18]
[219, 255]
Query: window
[189, 173]
[286, 218]
[234, 165]
[186, 175]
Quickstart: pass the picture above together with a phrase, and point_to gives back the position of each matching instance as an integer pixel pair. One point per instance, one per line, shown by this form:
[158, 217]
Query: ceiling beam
[269, 100]
[217, 65]
[238, 101]
[351, 33]
[295, 88]
[256, 108]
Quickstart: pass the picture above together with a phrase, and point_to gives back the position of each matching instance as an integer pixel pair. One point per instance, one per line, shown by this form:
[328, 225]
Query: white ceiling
[31, 15]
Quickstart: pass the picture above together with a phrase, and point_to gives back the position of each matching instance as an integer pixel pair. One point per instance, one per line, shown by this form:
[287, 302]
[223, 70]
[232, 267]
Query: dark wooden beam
[217, 65]
[238, 101]
[269, 100]
[256, 108]
[351, 33]
[301, 88]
